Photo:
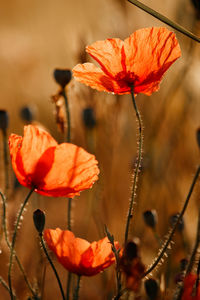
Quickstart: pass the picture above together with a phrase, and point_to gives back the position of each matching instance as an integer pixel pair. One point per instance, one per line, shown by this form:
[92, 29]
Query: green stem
[172, 231]
[138, 164]
[52, 265]
[6, 161]
[165, 20]
[68, 116]
[69, 279]
[13, 241]
[76, 291]
[9, 246]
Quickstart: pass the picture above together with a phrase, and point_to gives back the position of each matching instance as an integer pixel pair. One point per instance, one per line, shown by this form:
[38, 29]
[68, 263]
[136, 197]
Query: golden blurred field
[38, 36]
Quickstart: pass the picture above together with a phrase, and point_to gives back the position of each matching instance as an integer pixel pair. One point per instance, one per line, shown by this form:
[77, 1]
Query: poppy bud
[173, 220]
[4, 119]
[62, 76]
[131, 250]
[152, 288]
[26, 114]
[198, 136]
[89, 119]
[150, 218]
[39, 220]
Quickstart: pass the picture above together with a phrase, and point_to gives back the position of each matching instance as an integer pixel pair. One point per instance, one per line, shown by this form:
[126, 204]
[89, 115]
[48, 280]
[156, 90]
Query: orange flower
[140, 60]
[78, 255]
[54, 170]
[189, 291]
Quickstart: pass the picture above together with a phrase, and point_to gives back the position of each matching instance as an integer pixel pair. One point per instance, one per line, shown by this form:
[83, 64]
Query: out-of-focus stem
[13, 242]
[76, 291]
[172, 231]
[165, 20]
[6, 162]
[138, 164]
[68, 116]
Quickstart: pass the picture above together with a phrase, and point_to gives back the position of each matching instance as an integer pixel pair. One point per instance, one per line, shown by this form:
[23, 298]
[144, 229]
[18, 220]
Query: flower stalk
[14, 240]
[137, 168]
[173, 229]
[76, 291]
[165, 20]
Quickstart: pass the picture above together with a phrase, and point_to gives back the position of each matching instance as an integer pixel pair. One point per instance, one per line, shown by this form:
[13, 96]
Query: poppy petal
[94, 77]
[149, 53]
[67, 248]
[110, 55]
[72, 170]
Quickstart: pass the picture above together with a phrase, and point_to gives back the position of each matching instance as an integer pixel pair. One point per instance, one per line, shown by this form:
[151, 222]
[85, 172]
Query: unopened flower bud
[131, 250]
[26, 114]
[150, 218]
[152, 288]
[173, 220]
[39, 220]
[89, 119]
[62, 76]
[4, 120]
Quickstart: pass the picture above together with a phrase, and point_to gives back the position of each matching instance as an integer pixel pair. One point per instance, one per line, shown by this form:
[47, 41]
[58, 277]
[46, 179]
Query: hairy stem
[138, 164]
[165, 20]
[52, 265]
[14, 240]
[173, 229]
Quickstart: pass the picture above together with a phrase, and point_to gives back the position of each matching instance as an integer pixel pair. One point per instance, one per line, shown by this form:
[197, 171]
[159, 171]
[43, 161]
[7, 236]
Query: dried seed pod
[62, 76]
[151, 288]
[26, 114]
[4, 119]
[150, 218]
[89, 118]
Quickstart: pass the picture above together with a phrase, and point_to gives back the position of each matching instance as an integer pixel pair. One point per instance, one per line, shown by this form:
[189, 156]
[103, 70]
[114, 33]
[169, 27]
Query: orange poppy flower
[189, 290]
[78, 255]
[139, 61]
[54, 170]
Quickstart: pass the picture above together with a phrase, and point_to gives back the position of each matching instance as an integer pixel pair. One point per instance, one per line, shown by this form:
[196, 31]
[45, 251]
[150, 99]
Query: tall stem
[52, 265]
[9, 245]
[172, 231]
[165, 20]
[76, 291]
[6, 162]
[13, 241]
[68, 116]
[138, 164]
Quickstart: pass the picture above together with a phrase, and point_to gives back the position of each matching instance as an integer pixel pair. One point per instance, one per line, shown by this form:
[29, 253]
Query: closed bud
[39, 220]
[26, 114]
[62, 76]
[198, 136]
[4, 120]
[173, 220]
[150, 218]
[130, 250]
[151, 288]
[89, 119]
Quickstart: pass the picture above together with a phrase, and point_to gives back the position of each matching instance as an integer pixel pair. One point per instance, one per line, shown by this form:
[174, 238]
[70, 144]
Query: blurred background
[38, 36]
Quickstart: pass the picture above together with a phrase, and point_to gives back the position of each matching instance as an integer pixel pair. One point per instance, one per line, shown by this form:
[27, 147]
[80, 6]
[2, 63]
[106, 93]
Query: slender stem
[4, 284]
[69, 279]
[6, 162]
[9, 246]
[76, 291]
[52, 265]
[69, 225]
[138, 164]
[172, 231]
[165, 20]
[68, 116]
[14, 239]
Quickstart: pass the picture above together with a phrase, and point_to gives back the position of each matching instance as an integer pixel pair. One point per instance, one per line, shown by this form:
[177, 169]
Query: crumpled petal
[77, 255]
[110, 55]
[94, 77]
[54, 170]
[139, 62]
[149, 53]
